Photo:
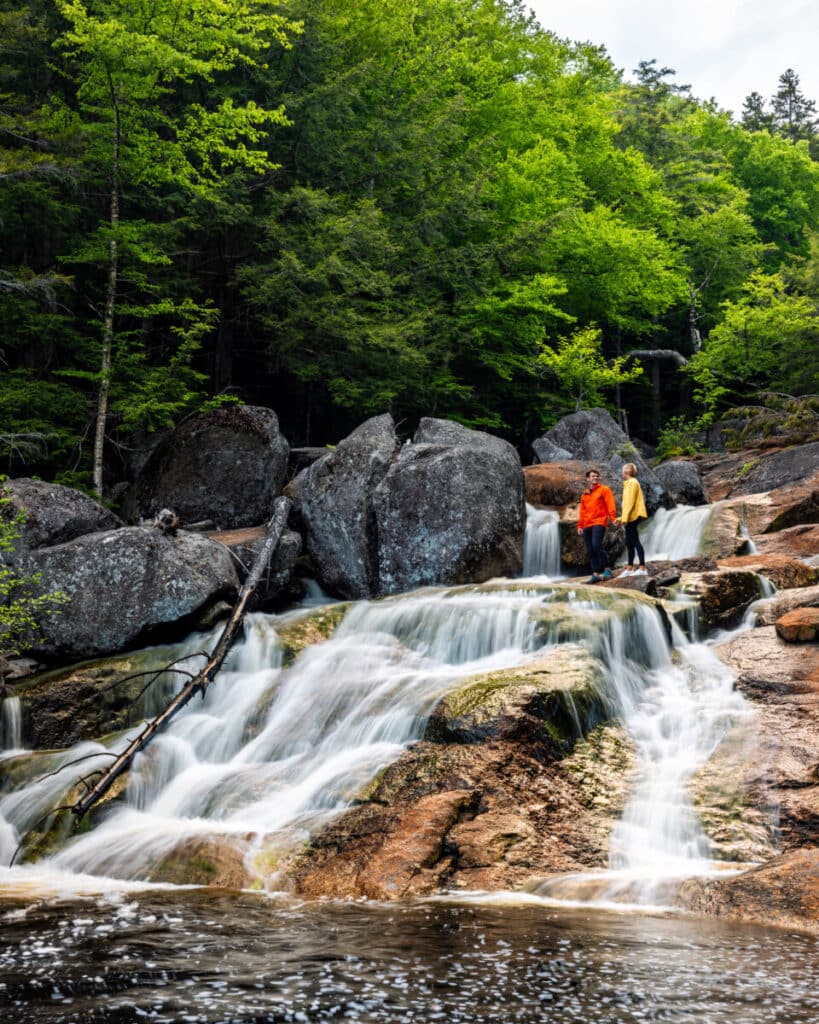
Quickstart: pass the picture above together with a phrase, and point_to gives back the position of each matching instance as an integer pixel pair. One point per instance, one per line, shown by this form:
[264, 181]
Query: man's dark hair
[589, 472]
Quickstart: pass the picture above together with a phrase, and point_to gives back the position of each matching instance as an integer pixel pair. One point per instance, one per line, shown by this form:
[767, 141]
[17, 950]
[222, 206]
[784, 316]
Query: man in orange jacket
[597, 509]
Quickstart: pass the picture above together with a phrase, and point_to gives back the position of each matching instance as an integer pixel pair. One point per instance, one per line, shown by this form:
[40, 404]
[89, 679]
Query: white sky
[721, 48]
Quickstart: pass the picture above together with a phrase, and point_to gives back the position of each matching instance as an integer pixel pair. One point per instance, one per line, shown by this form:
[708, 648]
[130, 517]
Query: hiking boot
[606, 574]
[595, 578]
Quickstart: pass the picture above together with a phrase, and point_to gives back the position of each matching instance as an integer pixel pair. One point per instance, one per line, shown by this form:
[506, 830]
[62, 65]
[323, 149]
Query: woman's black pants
[633, 544]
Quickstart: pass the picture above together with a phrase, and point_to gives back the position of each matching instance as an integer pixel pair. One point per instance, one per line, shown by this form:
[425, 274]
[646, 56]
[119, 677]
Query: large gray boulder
[594, 437]
[682, 482]
[123, 586]
[227, 466]
[52, 514]
[332, 498]
[449, 510]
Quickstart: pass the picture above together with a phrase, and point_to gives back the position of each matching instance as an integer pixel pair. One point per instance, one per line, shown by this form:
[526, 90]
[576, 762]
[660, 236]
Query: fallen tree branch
[656, 353]
[202, 679]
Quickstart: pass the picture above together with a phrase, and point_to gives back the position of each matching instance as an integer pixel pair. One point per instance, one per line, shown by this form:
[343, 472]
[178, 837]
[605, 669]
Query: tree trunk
[202, 679]
[110, 303]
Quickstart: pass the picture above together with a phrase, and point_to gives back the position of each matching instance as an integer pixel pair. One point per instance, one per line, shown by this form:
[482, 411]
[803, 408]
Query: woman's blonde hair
[630, 468]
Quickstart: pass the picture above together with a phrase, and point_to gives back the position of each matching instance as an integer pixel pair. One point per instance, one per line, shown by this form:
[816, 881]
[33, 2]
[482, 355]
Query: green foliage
[22, 610]
[579, 365]
[678, 436]
[792, 419]
[760, 342]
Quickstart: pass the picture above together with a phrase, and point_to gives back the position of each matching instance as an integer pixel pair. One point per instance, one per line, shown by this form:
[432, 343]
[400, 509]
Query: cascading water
[272, 750]
[541, 543]
[676, 532]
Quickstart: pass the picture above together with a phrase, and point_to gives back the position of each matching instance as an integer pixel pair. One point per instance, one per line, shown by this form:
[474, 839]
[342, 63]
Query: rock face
[122, 586]
[227, 466]
[755, 471]
[782, 571]
[778, 774]
[593, 437]
[783, 892]
[333, 498]
[682, 482]
[449, 510]
[54, 514]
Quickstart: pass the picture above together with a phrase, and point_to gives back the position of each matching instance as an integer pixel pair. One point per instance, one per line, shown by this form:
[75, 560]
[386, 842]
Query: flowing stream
[273, 751]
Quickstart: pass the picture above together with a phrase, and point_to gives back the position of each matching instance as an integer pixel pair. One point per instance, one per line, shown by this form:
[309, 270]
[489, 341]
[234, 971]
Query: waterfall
[273, 750]
[541, 543]
[675, 533]
[11, 725]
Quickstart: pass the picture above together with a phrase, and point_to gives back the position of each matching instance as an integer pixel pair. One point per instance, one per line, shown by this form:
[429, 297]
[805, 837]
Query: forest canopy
[337, 208]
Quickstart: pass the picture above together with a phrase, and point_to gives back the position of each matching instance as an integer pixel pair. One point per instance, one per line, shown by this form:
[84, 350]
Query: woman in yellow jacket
[632, 514]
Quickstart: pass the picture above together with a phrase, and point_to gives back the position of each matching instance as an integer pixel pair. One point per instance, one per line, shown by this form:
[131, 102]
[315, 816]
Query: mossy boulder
[303, 629]
[560, 696]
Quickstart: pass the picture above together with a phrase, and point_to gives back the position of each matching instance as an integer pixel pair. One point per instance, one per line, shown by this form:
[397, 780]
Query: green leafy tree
[754, 117]
[141, 71]
[579, 365]
[760, 344]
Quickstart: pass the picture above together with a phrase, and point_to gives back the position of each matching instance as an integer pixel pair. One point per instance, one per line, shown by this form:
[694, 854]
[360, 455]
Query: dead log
[199, 683]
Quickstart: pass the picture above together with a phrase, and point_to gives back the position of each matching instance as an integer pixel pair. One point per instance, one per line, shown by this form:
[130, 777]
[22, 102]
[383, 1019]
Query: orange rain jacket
[596, 507]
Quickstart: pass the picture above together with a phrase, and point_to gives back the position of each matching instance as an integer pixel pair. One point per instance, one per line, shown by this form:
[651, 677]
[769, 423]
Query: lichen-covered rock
[226, 466]
[206, 860]
[681, 481]
[449, 510]
[755, 471]
[333, 499]
[593, 437]
[799, 626]
[123, 586]
[53, 514]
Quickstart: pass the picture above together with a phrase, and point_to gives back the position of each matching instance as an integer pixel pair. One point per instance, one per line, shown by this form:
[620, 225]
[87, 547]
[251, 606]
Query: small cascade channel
[676, 532]
[541, 543]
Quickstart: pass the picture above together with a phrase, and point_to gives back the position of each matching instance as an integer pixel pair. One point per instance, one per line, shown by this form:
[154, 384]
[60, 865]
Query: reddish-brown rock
[777, 773]
[797, 541]
[772, 608]
[783, 892]
[555, 484]
[799, 626]
[782, 571]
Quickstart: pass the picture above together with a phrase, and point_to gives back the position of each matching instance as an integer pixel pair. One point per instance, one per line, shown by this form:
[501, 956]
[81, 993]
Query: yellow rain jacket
[634, 506]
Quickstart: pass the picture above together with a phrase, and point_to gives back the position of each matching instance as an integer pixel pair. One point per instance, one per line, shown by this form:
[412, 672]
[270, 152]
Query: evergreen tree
[794, 116]
[754, 115]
